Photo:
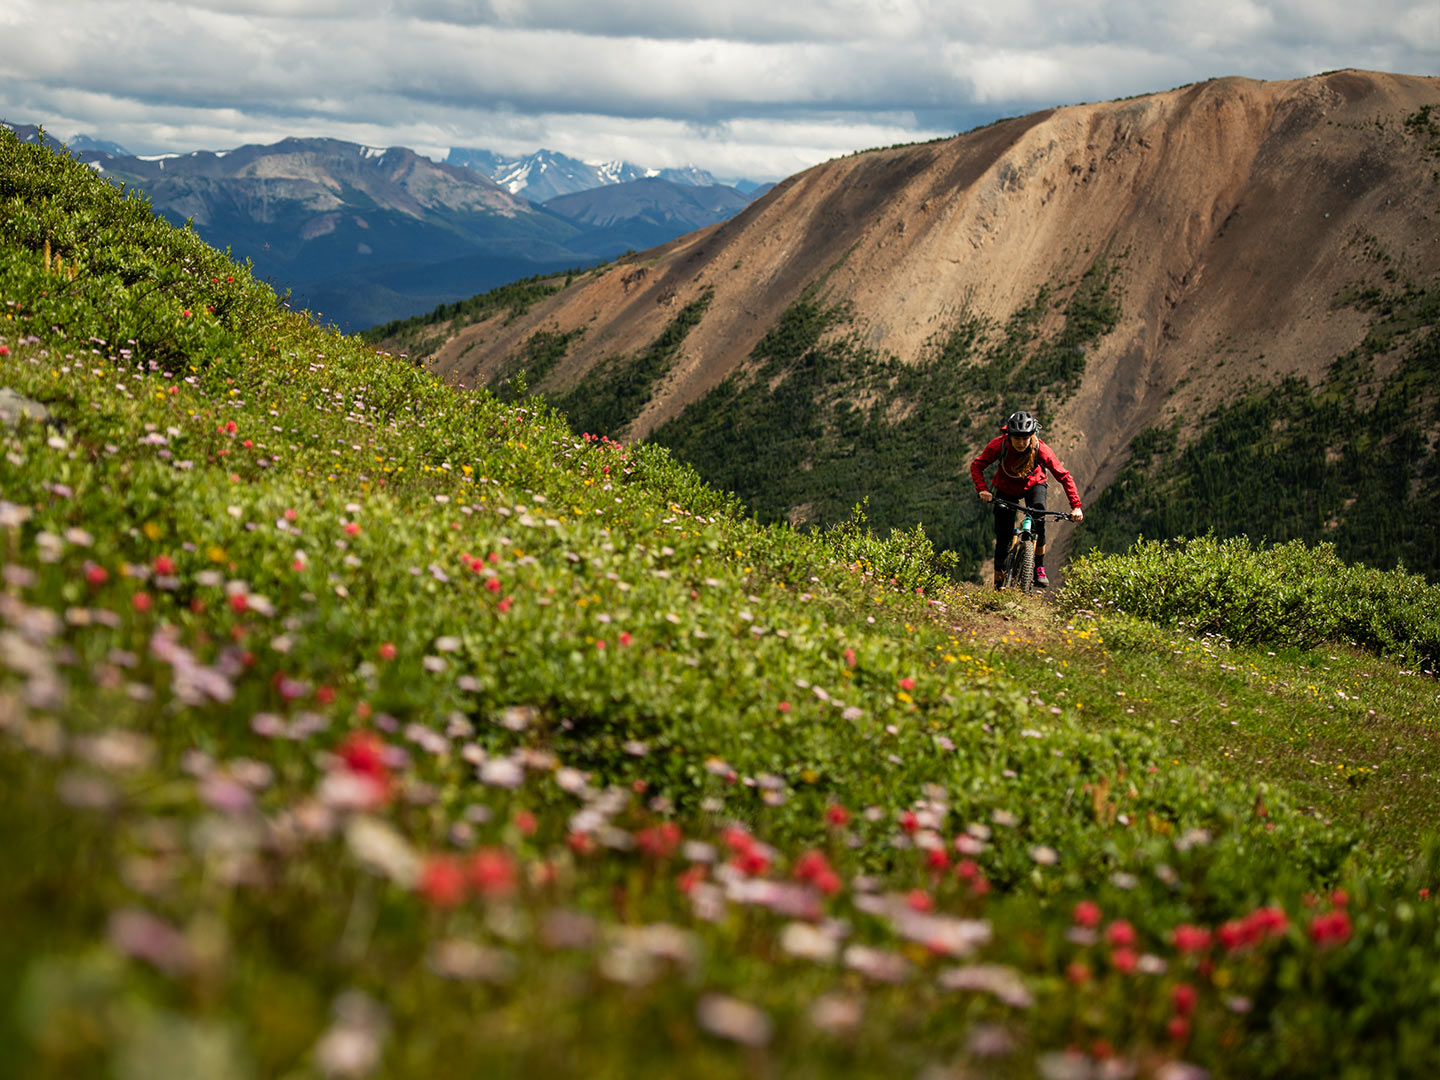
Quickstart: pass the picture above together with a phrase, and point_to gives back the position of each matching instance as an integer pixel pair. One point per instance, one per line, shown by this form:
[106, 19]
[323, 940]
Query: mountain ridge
[1231, 213]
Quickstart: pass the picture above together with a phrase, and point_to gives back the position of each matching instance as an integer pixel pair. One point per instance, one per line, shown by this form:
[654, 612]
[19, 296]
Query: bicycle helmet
[1021, 423]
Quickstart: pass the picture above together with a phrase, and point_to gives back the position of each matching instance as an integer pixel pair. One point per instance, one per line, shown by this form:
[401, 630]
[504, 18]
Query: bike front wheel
[1025, 567]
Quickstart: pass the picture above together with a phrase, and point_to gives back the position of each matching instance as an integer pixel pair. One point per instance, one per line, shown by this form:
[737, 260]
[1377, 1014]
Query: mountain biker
[1021, 476]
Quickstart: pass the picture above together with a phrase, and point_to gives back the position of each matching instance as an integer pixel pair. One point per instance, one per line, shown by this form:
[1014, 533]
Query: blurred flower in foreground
[729, 1018]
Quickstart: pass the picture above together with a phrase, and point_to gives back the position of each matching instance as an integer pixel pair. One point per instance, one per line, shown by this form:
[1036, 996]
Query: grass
[350, 725]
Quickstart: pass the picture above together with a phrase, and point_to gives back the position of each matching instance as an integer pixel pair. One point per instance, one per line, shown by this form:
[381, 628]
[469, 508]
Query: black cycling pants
[1005, 526]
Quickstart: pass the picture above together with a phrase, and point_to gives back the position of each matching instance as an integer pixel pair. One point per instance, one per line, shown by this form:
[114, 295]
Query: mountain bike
[1019, 565]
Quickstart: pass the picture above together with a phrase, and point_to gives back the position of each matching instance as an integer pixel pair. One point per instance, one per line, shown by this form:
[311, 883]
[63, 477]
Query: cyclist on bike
[1021, 476]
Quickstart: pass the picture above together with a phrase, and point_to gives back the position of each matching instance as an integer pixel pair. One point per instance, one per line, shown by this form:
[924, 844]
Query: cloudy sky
[744, 88]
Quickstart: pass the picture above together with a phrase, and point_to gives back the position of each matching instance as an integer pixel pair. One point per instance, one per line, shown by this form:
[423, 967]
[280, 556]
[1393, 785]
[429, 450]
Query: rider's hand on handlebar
[986, 496]
[1077, 514]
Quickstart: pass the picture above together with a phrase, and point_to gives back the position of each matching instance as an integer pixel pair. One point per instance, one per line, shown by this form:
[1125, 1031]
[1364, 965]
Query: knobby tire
[1025, 566]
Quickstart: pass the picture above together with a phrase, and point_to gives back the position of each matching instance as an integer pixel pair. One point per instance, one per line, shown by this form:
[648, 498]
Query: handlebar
[1008, 505]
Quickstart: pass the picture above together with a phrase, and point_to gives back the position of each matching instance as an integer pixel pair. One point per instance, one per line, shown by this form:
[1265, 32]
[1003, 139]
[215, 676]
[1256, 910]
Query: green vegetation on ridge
[352, 726]
[1353, 461]
[823, 421]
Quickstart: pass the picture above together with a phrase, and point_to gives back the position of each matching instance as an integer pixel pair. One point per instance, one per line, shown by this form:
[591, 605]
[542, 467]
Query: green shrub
[1286, 594]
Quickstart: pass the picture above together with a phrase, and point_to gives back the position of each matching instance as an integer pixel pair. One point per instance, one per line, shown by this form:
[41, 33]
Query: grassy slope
[183, 882]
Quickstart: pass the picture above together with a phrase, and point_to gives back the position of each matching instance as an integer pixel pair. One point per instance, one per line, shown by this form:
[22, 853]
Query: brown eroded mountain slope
[1233, 210]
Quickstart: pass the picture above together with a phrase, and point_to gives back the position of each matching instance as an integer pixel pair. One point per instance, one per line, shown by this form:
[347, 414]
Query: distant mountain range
[363, 235]
[545, 174]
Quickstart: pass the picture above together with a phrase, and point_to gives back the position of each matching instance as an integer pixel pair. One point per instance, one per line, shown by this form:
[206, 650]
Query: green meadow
[354, 726]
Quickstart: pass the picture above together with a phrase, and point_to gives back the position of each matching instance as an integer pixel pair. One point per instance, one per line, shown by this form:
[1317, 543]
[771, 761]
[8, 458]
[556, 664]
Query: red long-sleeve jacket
[1009, 486]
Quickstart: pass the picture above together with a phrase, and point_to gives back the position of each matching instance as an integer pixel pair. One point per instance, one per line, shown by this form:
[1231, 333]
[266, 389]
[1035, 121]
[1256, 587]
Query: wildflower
[387, 650]
[784, 706]
[919, 900]
[1331, 928]
[163, 565]
[907, 683]
[493, 584]
[1121, 934]
[1124, 961]
[492, 872]
[1077, 973]
[1183, 998]
[849, 658]
[689, 878]
[937, 859]
[660, 841]
[909, 822]
[729, 1018]
[141, 602]
[625, 638]
[442, 881]
[1189, 939]
[1178, 1028]
[1087, 914]
[239, 603]
[95, 575]
[352, 528]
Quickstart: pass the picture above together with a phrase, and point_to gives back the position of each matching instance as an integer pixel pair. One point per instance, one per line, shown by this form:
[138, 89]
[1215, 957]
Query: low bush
[1286, 594]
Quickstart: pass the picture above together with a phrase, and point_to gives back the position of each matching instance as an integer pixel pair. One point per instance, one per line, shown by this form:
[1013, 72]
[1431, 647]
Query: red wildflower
[660, 841]
[967, 870]
[837, 815]
[1077, 972]
[230, 427]
[163, 564]
[937, 859]
[1121, 934]
[325, 695]
[290, 514]
[493, 584]
[907, 683]
[1124, 961]
[580, 843]
[920, 900]
[827, 881]
[1231, 935]
[239, 603]
[1086, 913]
[1183, 997]
[363, 752]
[1331, 928]
[784, 706]
[810, 865]
[141, 602]
[1178, 1028]
[504, 605]
[625, 638]
[492, 872]
[1340, 898]
[850, 658]
[1189, 939]
[525, 821]
[442, 881]
[688, 878]
[351, 528]
[752, 863]
[96, 575]
[909, 822]
[387, 650]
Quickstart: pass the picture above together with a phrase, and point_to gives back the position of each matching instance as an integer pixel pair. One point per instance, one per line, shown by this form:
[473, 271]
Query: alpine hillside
[1242, 274]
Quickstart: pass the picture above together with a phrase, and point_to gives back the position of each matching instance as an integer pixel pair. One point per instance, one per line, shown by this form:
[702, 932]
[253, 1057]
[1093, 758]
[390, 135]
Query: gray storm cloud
[770, 87]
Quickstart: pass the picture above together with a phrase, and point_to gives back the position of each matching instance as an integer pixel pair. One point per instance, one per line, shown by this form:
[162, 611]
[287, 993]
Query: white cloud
[766, 85]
